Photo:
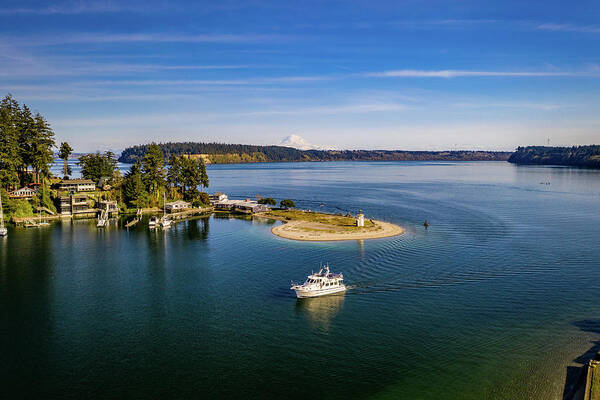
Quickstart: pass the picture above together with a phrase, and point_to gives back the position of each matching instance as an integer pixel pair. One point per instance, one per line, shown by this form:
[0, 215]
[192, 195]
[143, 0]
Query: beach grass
[339, 221]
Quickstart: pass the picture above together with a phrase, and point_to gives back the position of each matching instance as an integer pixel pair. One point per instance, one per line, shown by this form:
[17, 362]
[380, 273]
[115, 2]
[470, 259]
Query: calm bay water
[494, 300]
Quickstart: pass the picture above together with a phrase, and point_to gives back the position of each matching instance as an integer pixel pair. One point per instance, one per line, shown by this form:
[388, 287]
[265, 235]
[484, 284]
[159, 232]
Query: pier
[191, 212]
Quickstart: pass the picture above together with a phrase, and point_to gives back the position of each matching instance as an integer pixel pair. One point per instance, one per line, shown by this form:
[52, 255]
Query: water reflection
[361, 248]
[321, 310]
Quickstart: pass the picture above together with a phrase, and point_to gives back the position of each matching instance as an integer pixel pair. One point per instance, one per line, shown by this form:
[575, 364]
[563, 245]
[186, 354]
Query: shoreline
[310, 231]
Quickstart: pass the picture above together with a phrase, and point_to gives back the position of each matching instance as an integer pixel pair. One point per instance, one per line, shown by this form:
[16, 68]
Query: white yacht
[320, 284]
[153, 222]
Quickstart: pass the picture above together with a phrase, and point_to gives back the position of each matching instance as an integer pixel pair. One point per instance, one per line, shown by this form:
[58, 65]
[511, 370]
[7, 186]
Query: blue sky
[416, 75]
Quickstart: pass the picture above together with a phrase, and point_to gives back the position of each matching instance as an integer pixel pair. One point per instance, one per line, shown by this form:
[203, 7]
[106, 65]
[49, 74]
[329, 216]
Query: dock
[138, 218]
[191, 212]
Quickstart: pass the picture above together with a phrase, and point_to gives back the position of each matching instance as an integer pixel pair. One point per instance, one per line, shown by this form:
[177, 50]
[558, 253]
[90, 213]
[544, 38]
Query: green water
[495, 300]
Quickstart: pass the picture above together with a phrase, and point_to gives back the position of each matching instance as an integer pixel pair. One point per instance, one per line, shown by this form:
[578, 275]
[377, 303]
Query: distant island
[221, 153]
[576, 156]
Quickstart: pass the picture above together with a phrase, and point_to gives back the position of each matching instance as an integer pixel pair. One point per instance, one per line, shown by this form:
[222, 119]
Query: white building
[178, 205]
[217, 197]
[243, 206]
[77, 185]
[23, 193]
[360, 219]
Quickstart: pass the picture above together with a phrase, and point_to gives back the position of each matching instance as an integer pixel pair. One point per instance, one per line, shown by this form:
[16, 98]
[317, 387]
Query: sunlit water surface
[495, 300]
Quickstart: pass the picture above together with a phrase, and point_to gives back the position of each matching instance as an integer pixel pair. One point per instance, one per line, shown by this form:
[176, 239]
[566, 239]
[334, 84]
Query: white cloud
[569, 28]
[142, 37]
[74, 7]
[453, 73]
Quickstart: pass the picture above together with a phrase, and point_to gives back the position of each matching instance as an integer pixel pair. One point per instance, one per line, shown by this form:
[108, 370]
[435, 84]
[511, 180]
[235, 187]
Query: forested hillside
[220, 153]
[577, 156]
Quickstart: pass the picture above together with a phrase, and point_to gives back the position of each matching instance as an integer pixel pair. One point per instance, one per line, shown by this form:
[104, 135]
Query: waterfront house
[77, 185]
[24, 193]
[178, 205]
[75, 204]
[242, 206]
[217, 197]
[250, 207]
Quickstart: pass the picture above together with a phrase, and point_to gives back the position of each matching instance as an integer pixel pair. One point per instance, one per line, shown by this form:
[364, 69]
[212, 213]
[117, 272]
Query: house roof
[24, 188]
[178, 202]
[76, 181]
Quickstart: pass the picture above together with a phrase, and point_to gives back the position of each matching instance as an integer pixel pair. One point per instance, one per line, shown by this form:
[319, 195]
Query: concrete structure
[360, 219]
[217, 197]
[23, 193]
[242, 206]
[178, 205]
[112, 206]
[75, 204]
[77, 185]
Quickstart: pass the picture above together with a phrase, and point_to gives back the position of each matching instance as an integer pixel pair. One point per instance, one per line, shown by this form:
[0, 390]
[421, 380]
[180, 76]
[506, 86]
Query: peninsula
[321, 227]
[222, 153]
[574, 156]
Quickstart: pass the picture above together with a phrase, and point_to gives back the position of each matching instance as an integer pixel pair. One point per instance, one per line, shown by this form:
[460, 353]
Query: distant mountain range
[220, 153]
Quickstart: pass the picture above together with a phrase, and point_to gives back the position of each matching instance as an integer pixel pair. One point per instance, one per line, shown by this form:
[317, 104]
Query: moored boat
[3, 230]
[320, 284]
[164, 222]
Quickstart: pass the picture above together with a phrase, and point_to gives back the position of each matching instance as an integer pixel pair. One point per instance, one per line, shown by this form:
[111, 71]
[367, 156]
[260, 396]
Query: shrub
[287, 203]
[267, 200]
[204, 198]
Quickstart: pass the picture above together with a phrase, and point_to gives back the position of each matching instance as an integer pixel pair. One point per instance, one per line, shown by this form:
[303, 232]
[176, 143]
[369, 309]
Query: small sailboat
[3, 230]
[164, 221]
[42, 223]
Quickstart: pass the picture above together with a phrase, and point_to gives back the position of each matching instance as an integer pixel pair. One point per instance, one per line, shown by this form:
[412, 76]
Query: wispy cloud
[531, 106]
[151, 119]
[569, 28]
[213, 82]
[30, 68]
[143, 37]
[342, 109]
[72, 8]
[453, 73]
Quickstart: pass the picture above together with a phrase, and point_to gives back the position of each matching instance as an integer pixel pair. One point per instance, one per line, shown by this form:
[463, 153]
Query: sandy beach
[312, 231]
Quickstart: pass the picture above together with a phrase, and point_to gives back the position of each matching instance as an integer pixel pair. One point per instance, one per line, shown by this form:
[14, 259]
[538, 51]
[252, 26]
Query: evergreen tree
[96, 166]
[10, 160]
[134, 190]
[41, 149]
[204, 181]
[153, 170]
[175, 174]
[64, 153]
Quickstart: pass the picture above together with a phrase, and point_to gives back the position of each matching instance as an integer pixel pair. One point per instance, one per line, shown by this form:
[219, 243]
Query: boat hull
[302, 293]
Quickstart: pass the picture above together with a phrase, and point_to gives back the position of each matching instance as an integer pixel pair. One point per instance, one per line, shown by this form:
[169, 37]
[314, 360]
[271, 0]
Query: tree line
[26, 144]
[221, 153]
[149, 177]
[577, 156]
